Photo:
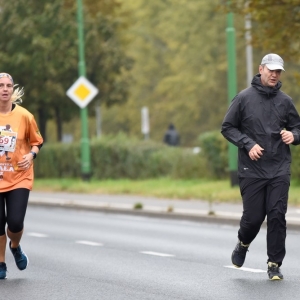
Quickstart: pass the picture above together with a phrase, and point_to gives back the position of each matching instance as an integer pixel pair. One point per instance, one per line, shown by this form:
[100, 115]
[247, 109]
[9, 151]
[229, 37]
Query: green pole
[232, 90]
[85, 146]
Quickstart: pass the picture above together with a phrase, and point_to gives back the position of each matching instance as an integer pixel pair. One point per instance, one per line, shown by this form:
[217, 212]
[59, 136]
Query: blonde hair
[17, 95]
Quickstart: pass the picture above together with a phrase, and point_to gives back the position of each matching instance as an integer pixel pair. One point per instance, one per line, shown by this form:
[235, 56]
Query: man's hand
[256, 152]
[287, 136]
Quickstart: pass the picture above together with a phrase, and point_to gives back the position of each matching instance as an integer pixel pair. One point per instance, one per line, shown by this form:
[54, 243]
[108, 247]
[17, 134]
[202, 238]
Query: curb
[215, 218]
[221, 218]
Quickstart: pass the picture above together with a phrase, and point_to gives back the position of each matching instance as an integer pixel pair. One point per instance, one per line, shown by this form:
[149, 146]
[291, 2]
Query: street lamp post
[232, 89]
[85, 146]
[249, 58]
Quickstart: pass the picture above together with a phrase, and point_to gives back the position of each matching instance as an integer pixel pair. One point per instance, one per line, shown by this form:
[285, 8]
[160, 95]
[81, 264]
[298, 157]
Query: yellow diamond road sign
[82, 92]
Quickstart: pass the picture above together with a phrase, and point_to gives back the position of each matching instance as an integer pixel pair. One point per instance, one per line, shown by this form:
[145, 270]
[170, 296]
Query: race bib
[8, 140]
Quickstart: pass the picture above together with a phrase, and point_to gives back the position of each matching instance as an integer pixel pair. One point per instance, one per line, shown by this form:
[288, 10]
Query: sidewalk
[193, 210]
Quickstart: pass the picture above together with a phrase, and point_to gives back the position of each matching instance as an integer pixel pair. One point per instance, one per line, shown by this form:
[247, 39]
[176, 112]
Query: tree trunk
[59, 124]
[42, 121]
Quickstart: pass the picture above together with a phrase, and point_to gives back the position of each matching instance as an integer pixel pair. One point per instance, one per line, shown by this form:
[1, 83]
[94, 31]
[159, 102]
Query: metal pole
[249, 58]
[232, 89]
[85, 146]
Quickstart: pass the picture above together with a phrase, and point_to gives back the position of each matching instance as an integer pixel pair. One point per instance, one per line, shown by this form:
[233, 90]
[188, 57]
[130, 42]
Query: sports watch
[33, 154]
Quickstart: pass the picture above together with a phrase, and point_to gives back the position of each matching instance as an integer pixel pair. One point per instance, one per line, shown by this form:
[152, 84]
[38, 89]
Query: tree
[276, 24]
[275, 28]
[41, 53]
[180, 70]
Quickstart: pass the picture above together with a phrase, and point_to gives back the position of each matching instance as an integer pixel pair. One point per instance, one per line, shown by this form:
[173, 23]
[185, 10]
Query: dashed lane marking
[157, 254]
[36, 234]
[88, 243]
[246, 269]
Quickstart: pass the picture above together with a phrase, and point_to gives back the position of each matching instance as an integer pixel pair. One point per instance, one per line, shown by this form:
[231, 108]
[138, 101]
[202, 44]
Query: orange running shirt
[18, 133]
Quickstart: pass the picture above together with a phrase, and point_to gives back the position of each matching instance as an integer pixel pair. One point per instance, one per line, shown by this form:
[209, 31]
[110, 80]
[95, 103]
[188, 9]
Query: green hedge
[215, 149]
[295, 166]
[121, 157]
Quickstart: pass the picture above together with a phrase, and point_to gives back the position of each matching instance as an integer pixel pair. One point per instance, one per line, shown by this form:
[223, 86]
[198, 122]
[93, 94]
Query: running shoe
[274, 271]
[239, 254]
[21, 258]
[3, 270]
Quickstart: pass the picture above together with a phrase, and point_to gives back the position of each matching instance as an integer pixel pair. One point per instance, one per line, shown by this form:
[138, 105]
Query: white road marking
[246, 269]
[89, 243]
[157, 254]
[36, 234]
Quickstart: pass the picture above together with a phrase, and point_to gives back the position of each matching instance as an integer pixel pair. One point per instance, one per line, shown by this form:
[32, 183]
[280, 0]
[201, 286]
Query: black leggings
[16, 204]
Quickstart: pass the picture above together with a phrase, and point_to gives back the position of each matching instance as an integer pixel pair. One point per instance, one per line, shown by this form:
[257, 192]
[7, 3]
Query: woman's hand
[26, 162]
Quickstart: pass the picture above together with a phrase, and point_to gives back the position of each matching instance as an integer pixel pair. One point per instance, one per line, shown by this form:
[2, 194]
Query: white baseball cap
[273, 62]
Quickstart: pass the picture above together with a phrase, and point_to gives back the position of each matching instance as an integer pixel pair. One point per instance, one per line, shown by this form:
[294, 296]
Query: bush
[295, 166]
[120, 157]
[214, 148]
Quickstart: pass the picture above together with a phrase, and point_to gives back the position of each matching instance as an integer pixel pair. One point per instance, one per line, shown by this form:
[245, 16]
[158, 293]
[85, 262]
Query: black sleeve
[231, 126]
[39, 146]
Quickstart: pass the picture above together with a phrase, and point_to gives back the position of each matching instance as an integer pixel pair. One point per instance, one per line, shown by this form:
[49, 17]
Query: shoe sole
[276, 278]
[237, 266]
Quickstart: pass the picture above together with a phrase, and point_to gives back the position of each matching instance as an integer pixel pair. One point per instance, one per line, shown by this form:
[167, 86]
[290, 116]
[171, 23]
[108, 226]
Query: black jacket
[256, 116]
[171, 136]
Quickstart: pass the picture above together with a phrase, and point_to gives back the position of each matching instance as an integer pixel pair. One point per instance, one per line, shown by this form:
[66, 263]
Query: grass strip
[210, 190]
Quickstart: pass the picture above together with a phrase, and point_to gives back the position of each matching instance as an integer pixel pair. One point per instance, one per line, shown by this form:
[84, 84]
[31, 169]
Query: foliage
[180, 70]
[215, 149]
[295, 166]
[41, 53]
[266, 15]
[120, 157]
[138, 205]
[167, 55]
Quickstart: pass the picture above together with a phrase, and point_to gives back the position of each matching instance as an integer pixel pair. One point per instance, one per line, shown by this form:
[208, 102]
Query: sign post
[145, 122]
[82, 92]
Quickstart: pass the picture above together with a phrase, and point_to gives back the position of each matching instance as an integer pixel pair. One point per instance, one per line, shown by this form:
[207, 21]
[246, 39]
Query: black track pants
[261, 198]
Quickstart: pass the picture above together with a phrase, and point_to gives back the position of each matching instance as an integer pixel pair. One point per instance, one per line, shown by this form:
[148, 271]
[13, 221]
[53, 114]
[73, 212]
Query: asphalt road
[94, 255]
